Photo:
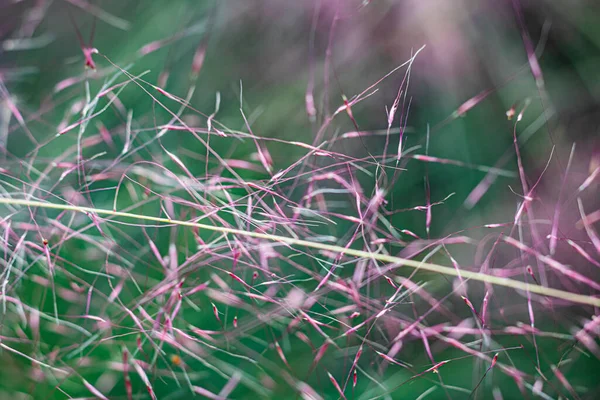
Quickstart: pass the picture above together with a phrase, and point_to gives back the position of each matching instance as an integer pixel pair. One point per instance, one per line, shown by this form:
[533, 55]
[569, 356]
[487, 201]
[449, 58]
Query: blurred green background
[260, 55]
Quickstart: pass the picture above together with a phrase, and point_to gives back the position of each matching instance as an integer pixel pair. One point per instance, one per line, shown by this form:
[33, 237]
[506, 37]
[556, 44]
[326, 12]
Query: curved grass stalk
[477, 276]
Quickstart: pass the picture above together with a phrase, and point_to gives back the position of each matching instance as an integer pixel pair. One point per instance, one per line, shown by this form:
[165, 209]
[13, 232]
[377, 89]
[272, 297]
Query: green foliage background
[263, 46]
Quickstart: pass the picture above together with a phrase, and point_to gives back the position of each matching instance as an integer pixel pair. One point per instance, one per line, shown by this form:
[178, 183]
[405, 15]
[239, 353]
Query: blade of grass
[477, 276]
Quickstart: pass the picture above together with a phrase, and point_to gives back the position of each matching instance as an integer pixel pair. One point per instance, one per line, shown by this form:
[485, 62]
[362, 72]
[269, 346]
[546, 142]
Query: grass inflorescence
[150, 249]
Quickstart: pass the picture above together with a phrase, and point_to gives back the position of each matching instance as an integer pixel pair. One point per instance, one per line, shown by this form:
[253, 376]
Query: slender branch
[477, 276]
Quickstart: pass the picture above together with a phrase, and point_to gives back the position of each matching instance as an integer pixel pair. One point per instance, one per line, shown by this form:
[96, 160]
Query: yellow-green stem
[477, 276]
